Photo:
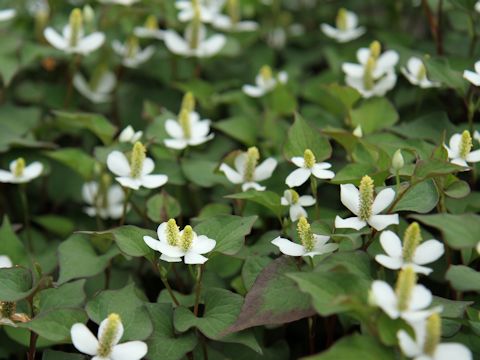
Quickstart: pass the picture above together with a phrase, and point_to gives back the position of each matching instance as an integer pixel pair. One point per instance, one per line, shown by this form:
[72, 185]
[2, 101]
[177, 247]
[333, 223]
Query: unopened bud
[358, 131]
[88, 14]
[397, 160]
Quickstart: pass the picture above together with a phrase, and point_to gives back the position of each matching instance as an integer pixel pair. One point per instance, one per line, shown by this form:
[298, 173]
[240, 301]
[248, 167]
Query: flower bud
[88, 15]
[109, 336]
[305, 234]
[404, 287]
[465, 144]
[172, 232]
[433, 333]
[411, 239]
[341, 19]
[366, 198]
[358, 131]
[397, 160]
[252, 159]
[137, 158]
[76, 26]
[19, 167]
[309, 158]
[187, 238]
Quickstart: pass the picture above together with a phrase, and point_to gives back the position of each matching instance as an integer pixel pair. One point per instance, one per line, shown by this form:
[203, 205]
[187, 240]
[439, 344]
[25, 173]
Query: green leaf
[463, 278]
[353, 173]
[434, 167]
[15, 283]
[274, 298]
[164, 342]
[161, 207]
[451, 308]
[58, 225]
[440, 70]
[60, 355]
[282, 101]
[374, 114]
[228, 231]
[253, 266]
[16, 132]
[268, 199]
[11, 245]
[97, 124]
[75, 159]
[126, 303]
[78, 259]
[241, 128]
[459, 231]
[458, 189]
[202, 172]
[421, 198]
[221, 308]
[66, 295]
[302, 136]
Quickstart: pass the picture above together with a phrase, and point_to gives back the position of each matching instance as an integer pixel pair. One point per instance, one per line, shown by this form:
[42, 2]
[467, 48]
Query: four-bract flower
[308, 167]
[5, 262]
[7, 14]
[265, 82]
[416, 73]
[460, 149]
[247, 170]
[408, 300]
[346, 27]
[72, 39]
[131, 53]
[426, 345]
[473, 76]
[366, 206]
[411, 253]
[311, 244]
[105, 201]
[375, 73]
[209, 9]
[20, 172]
[119, 2]
[130, 135]
[135, 171]
[100, 87]
[150, 30]
[296, 203]
[232, 21]
[175, 244]
[106, 345]
[188, 129]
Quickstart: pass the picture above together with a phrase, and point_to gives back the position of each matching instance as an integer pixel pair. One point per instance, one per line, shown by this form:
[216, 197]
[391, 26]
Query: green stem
[164, 279]
[26, 214]
[198, 289]
[128, 194]
[313, 186]
[397, 180]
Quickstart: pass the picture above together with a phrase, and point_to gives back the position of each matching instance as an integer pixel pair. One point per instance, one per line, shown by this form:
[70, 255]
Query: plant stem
[198, 289]
[433, 24]
[128, 194]
[397, 180]
[32, 349]
[72, 69]
[166, 284]
[313, 186]
[26, 214]
[311, 334]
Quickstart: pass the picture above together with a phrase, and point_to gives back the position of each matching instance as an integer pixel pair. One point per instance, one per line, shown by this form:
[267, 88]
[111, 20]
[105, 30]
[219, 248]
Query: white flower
[265, 82]
[150, 30]
[130, 135]
[346, 27]
[312, 244]
[7, 14]
[375, 73]
[20, 172]
[107, 346]
[416, 73]
[308, 167]
[426, 344]
[460, 149]
[189, 130]
[119, 2]
[5, 262]
[107, 203]
[476, 135]
[473, 76]
[194, 44]
[137, 172]
[247, 172]
[131, 53]
[477, 6]
[365, 206]
[72, 39]
[232, 21]
[98, 92]
[411, 252]
[208, 9]
[296, 203]
[175, 245]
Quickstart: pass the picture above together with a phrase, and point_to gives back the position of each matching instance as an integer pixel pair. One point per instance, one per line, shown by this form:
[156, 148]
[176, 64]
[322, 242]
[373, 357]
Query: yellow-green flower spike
[309, 158]
[294, 196]
[132, 47]
[366, 198]
[184, 121]
[375, 49]
[7, 309]
[422, 72]
[107, 339]
[404, 287]
[368, 80]
[465, 144]
[341, 19]
[19, 167]
[137, 158]
[266, 73]
[172, 232]
[411, 239]
[151, 23]
[195, 25]
[76, 24]
[233, 10]
[433, 333]
[252, 159]
[187, 238]
[188, 102]
[305, 234]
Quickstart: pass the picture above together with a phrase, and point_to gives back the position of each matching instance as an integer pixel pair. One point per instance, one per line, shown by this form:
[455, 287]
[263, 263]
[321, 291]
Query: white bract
[131, 53]
[130, 135]
[232, 21]
[104, 200]
[72, 40]
[265, 82]
[296, 203]
[473, 76]
[416, 73]
[135, 171]
[411, 253]
[311, 244]
[460, 149]
[119, 2]
[175, 245]
[307, 166]
[209, 9]
[150, 30]
[99, 89]
[5, 262]
[7, 14]
[20, 172]
[195, 42]
[366, 206]
[426, 344]
[247, 170]
[346, 27]
[375, 73]
[106, 345]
